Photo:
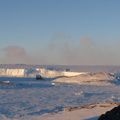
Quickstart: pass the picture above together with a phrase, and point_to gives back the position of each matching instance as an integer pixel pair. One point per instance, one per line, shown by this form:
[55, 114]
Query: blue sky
[60, 32]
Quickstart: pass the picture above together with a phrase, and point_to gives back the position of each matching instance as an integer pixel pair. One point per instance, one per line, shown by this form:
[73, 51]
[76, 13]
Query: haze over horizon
[64, 32]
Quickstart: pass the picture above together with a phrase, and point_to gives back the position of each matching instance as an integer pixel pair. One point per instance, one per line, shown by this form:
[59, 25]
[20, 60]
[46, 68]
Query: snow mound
[100, 78]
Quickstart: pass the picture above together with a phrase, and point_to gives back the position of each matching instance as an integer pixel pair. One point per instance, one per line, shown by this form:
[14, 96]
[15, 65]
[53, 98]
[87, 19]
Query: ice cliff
[32, 72]
[12, 72]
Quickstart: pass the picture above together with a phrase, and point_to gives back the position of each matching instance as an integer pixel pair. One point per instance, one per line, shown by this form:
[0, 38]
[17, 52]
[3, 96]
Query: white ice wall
[33, 72]
[12, 72]
[50, 73]
[2, 72]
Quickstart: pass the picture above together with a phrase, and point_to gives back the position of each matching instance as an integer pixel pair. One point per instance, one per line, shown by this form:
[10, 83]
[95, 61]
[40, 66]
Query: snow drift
[88, 78]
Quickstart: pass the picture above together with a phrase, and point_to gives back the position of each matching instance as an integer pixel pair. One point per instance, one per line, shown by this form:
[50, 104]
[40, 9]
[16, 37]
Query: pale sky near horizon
[72, 32]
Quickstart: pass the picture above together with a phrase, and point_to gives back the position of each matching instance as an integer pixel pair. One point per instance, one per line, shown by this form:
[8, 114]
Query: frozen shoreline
[88, 112]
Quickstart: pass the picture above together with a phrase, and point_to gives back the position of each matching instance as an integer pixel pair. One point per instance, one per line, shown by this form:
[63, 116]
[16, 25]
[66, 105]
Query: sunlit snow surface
[28, 96]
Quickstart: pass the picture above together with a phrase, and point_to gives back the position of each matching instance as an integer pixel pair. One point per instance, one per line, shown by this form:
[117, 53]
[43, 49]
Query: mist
[62, 49]
[15, 54]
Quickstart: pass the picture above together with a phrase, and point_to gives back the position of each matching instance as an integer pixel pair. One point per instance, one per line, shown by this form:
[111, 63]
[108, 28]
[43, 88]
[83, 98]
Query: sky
[62, 32]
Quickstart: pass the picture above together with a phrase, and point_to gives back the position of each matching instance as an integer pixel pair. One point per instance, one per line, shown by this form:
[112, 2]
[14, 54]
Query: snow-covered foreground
[89, 112]
[27, 98]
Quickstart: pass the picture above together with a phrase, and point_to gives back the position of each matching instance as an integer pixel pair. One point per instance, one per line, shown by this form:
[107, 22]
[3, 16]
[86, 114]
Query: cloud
[15, 54]
[66, 50]
[63, 49]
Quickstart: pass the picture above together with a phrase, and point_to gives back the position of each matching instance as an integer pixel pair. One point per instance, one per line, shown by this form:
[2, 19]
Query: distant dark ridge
[28, 66]
[15, 66]
[12, 66]
[75, 68]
